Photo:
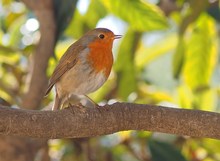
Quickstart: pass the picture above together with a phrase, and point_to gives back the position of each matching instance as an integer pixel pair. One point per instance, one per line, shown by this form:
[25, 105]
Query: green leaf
[9, 16]
[193, 13]
[14, 30]
[146, 55]
[6, 50]
[201, 53]
[12, 18]
[140, 15]
[78, 21]
[205, 100]
[161, 151]
[9, 57]
[95, 12]
[124, 65]
[178, 57]
[211, 146]
[6, 2]
[185, 96]
[4, 102]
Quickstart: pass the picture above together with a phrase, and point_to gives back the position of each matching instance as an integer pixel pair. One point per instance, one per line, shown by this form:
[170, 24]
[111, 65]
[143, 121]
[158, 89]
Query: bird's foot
[79, 106]
[95, 105]
[99, 108]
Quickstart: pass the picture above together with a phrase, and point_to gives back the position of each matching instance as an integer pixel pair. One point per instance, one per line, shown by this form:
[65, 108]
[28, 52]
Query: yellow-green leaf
[201, 53]
[140, 15]
[124, 65]
[178, 57]
[145, 55]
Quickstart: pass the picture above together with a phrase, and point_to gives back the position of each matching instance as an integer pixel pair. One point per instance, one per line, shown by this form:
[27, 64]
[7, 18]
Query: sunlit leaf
[124, 65]
[14, 57]
[5, 95]
[193, 13]
[82, 23]
[149, 95]
[3, 26]
[205, 100]
[95, 12]
[161, 151]
[9, 14]
[4, 102]
[6, 2]
[15, 33]
[12, 18]
[178, 57]
[145, 55]
[7, 86]
[185, 96]
[15, 71]
[78, 21]
[211, 145]
[201, 53]
[141, 15]
[6, 50]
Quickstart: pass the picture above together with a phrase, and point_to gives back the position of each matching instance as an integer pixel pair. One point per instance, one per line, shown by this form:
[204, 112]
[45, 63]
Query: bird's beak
[117, 36]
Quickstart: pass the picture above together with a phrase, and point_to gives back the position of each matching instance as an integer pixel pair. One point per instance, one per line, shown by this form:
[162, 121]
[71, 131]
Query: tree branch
[73, 123]
[44, 12]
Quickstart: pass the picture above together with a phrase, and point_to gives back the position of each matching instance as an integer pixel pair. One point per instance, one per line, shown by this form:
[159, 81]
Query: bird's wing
[68, 61]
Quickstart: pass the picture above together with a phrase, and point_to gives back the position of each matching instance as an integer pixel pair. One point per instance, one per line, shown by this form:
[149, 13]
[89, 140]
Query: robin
[84, 67]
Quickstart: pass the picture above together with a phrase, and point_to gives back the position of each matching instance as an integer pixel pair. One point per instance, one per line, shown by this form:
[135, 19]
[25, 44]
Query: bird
[84, 67]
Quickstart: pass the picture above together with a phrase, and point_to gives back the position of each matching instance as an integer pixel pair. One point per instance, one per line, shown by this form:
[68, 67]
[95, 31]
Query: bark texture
[73, 123]
[20, 148]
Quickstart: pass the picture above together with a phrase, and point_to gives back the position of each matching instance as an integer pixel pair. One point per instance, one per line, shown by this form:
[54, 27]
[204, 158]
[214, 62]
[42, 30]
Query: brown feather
[68, 61]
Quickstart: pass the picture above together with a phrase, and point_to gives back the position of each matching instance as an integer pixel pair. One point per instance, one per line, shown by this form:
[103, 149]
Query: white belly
[90, 84]
[80, 81]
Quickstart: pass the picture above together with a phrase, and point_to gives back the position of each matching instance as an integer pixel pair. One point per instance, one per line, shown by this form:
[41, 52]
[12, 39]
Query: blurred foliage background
[169, 55]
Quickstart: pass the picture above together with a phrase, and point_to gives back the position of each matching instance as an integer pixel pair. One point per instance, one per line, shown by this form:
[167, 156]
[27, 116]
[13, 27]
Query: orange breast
[101, 58]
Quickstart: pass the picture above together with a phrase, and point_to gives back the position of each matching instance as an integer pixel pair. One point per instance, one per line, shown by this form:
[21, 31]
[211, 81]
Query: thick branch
[73, 123]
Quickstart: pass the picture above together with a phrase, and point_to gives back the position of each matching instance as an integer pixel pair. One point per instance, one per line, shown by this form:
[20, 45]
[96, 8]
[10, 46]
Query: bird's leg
[69, 102]
[79, 105]
[57, 104]
[94, 103]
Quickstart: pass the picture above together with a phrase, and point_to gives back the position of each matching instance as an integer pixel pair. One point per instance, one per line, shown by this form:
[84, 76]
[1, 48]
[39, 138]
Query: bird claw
[69, 105]
[98, 107]
[81, 107]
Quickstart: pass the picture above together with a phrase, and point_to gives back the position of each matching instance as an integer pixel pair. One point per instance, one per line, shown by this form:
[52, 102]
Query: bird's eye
[101, 36]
